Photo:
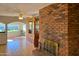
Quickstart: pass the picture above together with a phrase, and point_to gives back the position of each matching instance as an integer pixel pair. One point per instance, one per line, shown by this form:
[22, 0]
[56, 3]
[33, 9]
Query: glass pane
[30, 23]
[2, 27]
[37, 26]
[13, 27]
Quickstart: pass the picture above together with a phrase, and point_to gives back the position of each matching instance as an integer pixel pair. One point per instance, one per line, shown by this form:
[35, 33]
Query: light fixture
[21, 16]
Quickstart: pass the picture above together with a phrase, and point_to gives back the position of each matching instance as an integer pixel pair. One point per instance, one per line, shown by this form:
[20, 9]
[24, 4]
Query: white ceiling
[13, 9]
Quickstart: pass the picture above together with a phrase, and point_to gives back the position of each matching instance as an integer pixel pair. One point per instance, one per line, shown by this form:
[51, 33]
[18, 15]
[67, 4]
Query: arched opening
[16, 29]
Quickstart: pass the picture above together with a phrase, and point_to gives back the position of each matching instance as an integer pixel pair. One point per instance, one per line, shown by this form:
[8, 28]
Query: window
[24, 27]
[30, 27]
[13, 27]
[2, 27]
[37, 26]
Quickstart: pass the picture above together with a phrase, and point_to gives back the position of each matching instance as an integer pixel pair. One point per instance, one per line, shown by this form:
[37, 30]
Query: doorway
[16, 29]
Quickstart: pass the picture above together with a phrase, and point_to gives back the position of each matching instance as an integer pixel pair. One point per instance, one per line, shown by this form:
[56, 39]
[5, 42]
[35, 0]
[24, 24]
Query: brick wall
[54, 25]
[73, 29]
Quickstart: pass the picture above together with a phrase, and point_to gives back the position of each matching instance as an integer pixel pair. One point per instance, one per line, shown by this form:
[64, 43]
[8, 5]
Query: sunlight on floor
[9, 40]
